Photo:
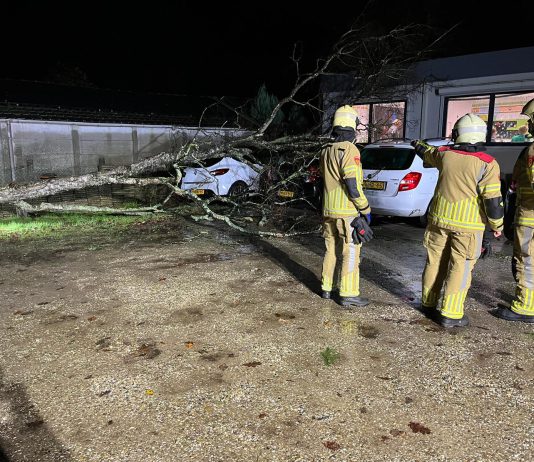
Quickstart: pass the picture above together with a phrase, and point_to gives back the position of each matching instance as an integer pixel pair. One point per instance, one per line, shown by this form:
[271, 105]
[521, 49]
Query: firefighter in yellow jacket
[343, 201]
[466, 199]
[522, 308]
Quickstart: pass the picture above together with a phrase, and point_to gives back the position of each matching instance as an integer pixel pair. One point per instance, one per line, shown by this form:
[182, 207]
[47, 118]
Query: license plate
[198, 192]
[379, 185]
[286, 193]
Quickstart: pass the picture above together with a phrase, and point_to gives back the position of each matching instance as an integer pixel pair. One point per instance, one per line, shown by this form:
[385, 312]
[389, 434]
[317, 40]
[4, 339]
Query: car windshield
[387, 158]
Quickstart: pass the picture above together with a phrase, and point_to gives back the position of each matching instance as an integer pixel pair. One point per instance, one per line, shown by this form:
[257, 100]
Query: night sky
[230, 49]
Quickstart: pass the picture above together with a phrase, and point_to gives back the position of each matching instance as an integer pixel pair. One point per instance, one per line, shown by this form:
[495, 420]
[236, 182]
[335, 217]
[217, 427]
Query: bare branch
[24, 209]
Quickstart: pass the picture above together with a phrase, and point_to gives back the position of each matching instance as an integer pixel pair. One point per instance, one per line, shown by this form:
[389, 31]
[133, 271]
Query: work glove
[487, 249]
[362, 231]
[419, 146]
[368, 218]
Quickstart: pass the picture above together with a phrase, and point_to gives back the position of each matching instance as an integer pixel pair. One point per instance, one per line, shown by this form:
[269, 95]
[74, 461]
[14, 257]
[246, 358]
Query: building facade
[493, 85]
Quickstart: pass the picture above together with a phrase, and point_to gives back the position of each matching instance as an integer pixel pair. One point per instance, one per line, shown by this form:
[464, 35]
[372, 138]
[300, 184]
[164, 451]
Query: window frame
[491, 114]
[370, 114]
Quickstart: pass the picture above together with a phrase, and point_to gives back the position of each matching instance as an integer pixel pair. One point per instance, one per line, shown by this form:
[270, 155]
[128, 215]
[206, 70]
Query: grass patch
[329, 355]
[51, 225]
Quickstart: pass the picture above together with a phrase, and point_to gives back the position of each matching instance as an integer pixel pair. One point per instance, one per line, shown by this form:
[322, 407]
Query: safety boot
[449, 322]
[353, 301]
[427, 309]
[509, 315]
[329, 294]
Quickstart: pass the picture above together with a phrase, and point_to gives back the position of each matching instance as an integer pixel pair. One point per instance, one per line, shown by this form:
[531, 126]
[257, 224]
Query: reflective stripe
[459, 224]
[337, 202]
[523, 302]
[497, 223]
[489, 188]
[453, 305]
[350, 282]
[472, 129]
[326, 284]
[525, 238]
[524, 191]
[463, 214]
[525, 221]
[352, 256]
[430, 298]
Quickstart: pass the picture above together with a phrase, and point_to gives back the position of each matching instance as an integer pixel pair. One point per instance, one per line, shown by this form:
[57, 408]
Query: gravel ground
[183, 342]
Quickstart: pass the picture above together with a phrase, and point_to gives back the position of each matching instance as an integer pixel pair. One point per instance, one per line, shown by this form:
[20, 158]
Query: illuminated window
[379, 121]
[502, 112]
[459, 107]
[388, 120]
[508, 120]
[362, 130]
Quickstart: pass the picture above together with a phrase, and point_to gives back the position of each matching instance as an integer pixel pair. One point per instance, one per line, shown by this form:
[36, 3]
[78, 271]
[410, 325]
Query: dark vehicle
[299, 183]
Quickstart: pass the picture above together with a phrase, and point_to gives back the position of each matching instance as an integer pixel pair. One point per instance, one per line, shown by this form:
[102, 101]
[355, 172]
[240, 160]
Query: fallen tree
[375, 64]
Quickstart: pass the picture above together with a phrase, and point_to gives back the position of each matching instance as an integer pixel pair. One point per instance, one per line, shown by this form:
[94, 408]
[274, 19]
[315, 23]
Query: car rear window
[387, 158]
[210, 162]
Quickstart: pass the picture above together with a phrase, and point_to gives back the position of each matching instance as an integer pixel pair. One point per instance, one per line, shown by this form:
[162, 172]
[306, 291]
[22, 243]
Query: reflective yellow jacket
[523, 179]
[468, 192]
[341, 161]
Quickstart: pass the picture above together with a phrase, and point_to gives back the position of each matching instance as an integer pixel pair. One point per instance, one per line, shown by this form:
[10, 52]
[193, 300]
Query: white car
[395, 179]
[224, 176]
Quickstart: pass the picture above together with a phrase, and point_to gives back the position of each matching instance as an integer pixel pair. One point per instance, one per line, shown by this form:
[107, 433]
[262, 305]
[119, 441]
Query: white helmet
[528, 110]
[346, 116]
[469, 128]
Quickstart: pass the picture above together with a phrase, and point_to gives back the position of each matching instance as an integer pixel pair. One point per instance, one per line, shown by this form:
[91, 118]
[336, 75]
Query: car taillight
[410, 181]
[312, 175]
[219, 171]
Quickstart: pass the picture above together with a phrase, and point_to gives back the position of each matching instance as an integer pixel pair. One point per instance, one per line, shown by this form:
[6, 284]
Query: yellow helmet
[346, 116]
[528, 110]
[469, 128]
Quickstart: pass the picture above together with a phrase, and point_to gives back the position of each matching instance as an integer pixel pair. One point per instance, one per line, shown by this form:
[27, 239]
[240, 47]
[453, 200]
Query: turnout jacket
[523, 180]
[468, 192]
[342, 174]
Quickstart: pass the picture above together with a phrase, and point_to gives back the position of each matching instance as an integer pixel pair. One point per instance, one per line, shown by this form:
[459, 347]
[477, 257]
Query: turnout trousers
[523, 302]
[337, 233]
[451, 256]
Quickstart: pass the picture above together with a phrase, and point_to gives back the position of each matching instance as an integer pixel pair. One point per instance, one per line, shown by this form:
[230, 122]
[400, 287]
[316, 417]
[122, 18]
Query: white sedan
[224, 176]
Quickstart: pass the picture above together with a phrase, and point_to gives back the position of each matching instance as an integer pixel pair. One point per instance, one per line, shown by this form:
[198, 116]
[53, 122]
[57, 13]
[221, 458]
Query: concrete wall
[32, 149]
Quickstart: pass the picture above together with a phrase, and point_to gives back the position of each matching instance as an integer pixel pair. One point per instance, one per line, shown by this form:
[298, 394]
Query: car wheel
[422, 221]
[239, 188]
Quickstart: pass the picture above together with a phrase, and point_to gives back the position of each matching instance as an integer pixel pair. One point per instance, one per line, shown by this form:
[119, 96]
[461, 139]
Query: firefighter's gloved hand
[368, 218]
[419, 146]
[487, 248]
[362, 231]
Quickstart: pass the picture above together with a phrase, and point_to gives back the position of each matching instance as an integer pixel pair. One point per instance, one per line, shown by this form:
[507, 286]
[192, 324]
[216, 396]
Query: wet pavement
[193, 343]
[395, 259]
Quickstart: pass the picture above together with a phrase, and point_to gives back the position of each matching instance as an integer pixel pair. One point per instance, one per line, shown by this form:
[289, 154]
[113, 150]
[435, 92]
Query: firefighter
[466, 199]
[343, 202]
[522, 307]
